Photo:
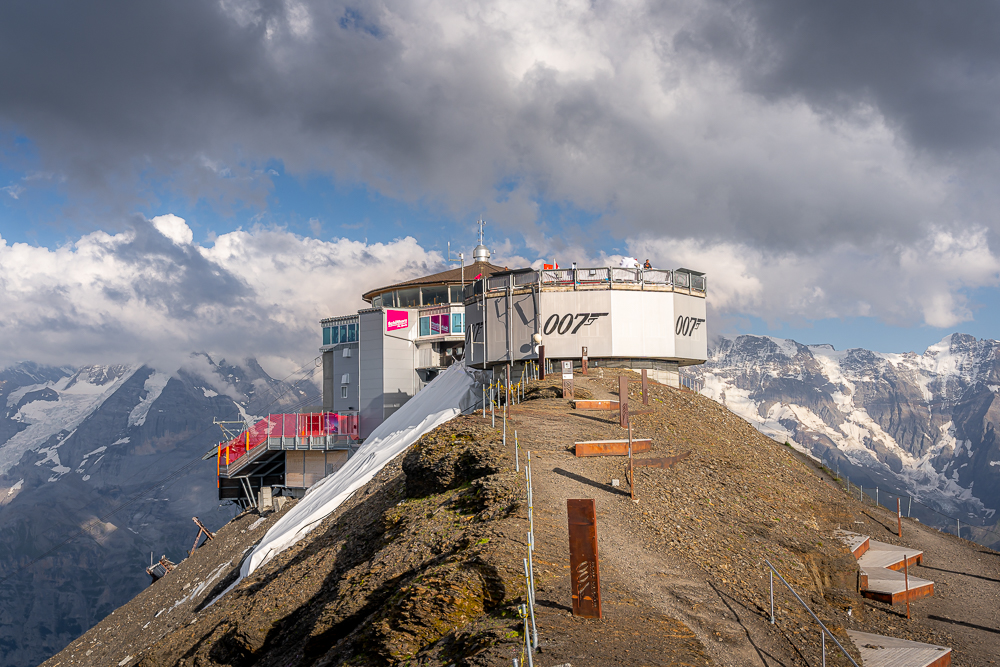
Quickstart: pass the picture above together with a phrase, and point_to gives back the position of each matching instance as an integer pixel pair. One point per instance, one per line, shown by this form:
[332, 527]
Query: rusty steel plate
[583, 562]
[664, 462]
[596, 405]
[612, 447]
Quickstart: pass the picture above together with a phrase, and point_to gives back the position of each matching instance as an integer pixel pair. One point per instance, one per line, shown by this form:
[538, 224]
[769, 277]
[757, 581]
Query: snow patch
[209, 393]
[19, 483]
[100, 449]
[447, 396]
[78, 398]
[154, 387]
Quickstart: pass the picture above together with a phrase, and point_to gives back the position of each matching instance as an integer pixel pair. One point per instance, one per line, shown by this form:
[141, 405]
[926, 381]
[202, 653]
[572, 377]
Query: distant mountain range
[77, 444]
[919, 424]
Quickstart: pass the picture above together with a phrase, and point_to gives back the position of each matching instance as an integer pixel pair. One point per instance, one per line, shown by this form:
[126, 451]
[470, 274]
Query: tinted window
[408, 298]
[457, 295]
[425, 326]
[435, 295]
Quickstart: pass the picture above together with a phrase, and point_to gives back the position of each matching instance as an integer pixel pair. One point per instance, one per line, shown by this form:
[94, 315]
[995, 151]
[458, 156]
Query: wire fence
[907, 500]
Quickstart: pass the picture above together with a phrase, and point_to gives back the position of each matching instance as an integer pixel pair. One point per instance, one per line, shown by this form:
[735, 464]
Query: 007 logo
[686, 326]
[562, 324]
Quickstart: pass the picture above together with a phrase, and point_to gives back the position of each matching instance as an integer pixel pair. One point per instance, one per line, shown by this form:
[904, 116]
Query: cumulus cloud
[926, 282]
[653, 116]
[847, 144]
[148, 294]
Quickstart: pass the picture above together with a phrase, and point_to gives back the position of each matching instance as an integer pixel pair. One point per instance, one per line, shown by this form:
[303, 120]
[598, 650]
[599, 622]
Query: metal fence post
[517, 462]
[770, 576]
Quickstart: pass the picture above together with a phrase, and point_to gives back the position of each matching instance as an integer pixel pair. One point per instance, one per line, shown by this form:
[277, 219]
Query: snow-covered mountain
[78, 444]
[921, 424]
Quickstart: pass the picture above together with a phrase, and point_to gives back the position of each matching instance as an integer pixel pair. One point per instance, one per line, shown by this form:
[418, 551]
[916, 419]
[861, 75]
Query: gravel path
[692, 548]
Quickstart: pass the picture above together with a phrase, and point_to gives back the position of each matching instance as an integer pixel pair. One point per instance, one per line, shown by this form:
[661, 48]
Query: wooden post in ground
[583, 361]
[645, 388]
[541, 362]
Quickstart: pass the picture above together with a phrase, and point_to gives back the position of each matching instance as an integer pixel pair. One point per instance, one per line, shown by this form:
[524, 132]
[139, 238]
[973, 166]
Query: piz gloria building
[376, 359]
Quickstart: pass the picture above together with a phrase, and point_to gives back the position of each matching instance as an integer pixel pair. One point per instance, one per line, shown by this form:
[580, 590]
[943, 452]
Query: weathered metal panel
[583, 558]
[612, 447]
[608, 406]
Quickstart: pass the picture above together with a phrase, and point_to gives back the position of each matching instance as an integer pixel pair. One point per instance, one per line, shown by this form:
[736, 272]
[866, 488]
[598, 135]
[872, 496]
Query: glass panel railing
[590, 276]
[625, 275]
[527, 278]
[656, 276]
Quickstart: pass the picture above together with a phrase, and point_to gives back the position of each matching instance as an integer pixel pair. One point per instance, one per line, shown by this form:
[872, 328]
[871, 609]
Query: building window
[458, 323]
[408, 298]
[352, 333]
[377, 302]
[434, 296]
[343, 392]
[327, 335]
[345, 378]
[440, 324]
[425, 326]
[457, 295]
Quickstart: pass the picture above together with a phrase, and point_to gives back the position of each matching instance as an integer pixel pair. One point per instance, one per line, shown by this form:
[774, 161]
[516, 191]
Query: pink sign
[396, 319]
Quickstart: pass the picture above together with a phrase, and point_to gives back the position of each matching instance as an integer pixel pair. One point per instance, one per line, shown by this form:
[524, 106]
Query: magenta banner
[396, 319]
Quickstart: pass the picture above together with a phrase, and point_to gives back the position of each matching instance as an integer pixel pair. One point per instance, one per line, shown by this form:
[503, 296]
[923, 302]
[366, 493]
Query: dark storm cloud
[930, 67]
[677, 119]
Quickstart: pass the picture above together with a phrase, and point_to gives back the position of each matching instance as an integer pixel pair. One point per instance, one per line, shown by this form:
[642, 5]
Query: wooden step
[879, 651]
[856, 542]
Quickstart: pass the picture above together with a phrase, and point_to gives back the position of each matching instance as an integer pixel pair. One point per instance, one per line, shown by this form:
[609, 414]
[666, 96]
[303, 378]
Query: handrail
[603, 277]
[775, 570]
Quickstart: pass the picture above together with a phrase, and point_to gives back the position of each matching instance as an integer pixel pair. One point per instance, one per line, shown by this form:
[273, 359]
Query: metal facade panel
[496, 328]
[690, 327]
[572, 320]
[524, 320]
[399, 359]
[474, 333]
[370, 357]
[341, 367]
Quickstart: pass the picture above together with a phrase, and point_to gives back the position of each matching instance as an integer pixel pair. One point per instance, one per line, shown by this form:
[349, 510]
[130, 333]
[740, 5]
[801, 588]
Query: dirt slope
[424, 565]
[694, 544]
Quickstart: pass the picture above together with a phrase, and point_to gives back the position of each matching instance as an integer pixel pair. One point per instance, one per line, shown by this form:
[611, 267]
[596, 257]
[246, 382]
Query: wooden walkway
[879, 651]
[882, 577]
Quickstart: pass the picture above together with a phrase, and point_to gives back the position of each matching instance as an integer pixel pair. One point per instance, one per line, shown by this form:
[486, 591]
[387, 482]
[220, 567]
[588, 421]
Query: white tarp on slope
[447, 396]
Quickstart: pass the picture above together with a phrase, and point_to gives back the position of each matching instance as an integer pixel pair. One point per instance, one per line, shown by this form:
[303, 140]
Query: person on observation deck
[647, 265]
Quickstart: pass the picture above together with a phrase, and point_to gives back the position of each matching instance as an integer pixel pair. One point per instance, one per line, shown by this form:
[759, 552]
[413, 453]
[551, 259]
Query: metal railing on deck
[601, 277]
[299, 425]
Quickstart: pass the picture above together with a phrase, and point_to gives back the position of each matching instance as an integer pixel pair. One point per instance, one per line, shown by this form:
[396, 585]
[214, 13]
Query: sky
[218, 175]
